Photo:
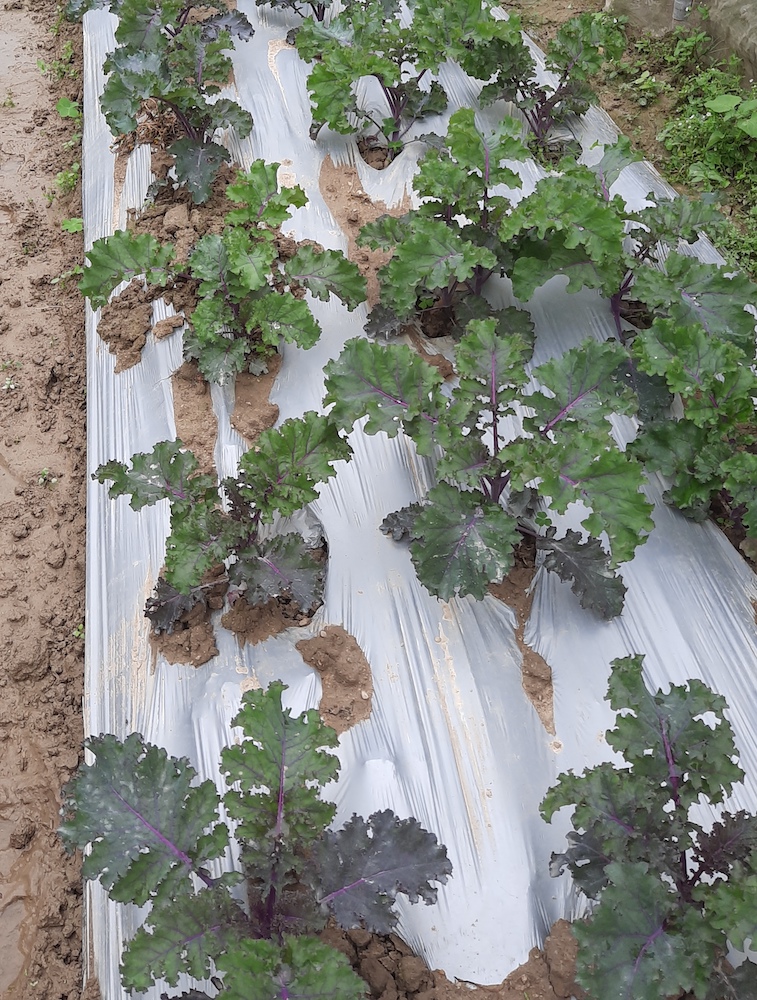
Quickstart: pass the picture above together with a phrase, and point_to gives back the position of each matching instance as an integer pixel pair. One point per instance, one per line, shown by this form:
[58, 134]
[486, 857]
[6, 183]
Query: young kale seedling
[576, 53]
[166, 55]
[368, 40]
[445, 251]
[156, 838]
[670, 894]
[276, 479]
[249, 286]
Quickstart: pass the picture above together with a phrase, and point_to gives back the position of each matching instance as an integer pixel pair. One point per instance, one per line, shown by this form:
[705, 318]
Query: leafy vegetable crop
[250, 287]
[168, 55]
[368, 39]
[276, 479]
[574, 55]
[670, 894]
[461, 536]
[693, 338]
[157, 838]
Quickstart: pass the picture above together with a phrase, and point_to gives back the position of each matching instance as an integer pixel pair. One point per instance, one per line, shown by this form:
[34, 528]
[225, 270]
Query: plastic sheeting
[452, 738]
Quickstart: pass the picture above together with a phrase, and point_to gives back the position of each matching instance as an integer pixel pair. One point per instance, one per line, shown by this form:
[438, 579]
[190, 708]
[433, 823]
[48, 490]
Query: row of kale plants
[513, 446]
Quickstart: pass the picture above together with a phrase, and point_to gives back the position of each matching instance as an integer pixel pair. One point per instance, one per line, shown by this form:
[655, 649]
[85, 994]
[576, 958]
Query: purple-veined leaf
[327, 272]
[281, 472]
[626, 949]
[168, 472]
[691, 292]
[283, 565]
[585, 565]
[583, 389]
[462, 542]
[491, 361]
[433, 256]
[666, 740]
[301, 968]
[608, 481]
[712, 376]
[197, 163]
[185, 934]
[730, 840]
[366, 864]
[390, 385]
[276, 774]
[149, 825]
[201, 538]
[167, 605]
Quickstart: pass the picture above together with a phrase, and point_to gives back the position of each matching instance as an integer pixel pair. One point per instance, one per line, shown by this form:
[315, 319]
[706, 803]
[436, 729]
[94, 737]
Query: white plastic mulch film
[452, 738]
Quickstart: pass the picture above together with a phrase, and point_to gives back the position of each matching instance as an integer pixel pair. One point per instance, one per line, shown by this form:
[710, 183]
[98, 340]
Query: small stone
[412, 974]
[364, 695]
[56, 557]
[22, 835]
[177, 217]
[359, 937]
[374, 973]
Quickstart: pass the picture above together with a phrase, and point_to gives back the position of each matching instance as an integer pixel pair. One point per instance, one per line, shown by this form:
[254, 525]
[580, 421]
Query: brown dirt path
[42, 469]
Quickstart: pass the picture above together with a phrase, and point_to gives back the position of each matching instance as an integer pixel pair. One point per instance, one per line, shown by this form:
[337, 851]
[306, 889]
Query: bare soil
[42, 470]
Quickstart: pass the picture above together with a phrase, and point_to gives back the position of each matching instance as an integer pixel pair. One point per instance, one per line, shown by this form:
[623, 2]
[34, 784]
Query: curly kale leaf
[691, 292]
[185, 934]
[147, 823]
[280, 473]
[262, 202]
[300, 968]
[168, 472]
[121, 257]
[366, 864]
[585, 565]
[462, 542]
[283, 565]
[389, 384]
[275, 777]
[197, 162]
[327, 272]
[167, 605]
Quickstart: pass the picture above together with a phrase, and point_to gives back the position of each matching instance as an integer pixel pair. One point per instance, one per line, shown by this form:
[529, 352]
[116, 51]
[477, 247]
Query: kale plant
[167, 54]
[250, 287]
[157, 838]
[445, 251]
[276, 479]
[688, 327]
[574, 56]
[693, 338]
[670, 893]
[368, 40]
[463, 534]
